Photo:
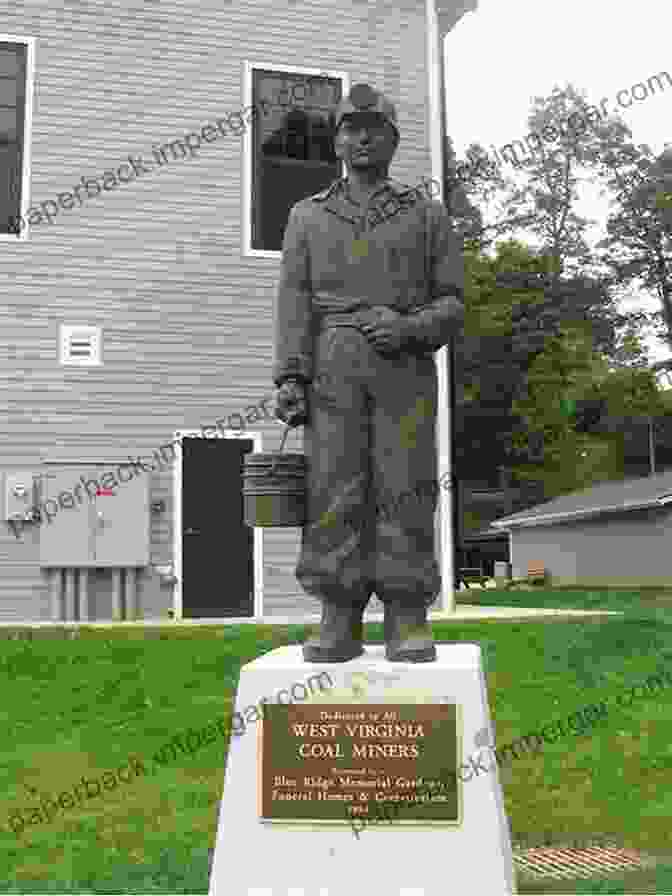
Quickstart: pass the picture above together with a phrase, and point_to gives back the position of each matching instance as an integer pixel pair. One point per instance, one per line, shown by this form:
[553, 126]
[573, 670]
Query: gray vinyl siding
[187, 321]
[632, 548]
[548, 544]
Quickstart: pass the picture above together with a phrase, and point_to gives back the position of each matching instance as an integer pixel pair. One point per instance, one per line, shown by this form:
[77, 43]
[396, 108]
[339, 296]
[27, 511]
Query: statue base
[267, 843]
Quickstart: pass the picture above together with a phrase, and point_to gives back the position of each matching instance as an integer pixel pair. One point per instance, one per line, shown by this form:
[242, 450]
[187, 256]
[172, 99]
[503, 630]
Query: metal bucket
[274, 488]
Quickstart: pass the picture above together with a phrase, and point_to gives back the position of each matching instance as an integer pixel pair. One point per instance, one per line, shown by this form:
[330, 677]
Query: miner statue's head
[367, 135]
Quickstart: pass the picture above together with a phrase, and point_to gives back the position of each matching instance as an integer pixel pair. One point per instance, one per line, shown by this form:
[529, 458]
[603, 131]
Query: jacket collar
[335, 199]
[339, 189]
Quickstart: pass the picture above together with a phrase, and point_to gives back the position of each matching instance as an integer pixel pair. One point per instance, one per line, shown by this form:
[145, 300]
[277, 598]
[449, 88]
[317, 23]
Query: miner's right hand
[291, 403]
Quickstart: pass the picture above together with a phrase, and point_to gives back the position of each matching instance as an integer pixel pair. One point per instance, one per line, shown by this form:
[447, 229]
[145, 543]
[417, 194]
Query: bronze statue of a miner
[371, 285]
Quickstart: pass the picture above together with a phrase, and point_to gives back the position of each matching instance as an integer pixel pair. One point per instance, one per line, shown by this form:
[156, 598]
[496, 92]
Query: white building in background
[148, 160]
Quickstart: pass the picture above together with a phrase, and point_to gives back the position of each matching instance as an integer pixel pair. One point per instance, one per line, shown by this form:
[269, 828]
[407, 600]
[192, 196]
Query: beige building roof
[607, 497]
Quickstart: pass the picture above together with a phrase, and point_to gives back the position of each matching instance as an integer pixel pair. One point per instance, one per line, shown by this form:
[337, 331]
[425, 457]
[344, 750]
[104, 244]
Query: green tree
[538, 193]
[512, 315]
[638, 245]
[536, 200]
[564, 381]
[542, 330]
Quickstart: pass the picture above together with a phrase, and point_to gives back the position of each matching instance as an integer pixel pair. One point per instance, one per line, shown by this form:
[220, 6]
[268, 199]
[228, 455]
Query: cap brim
[366, 112]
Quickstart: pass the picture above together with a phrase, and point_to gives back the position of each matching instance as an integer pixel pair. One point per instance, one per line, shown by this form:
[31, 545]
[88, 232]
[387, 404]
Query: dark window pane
[293, 150]
[12, 112]
[10, 64]
[7, 93]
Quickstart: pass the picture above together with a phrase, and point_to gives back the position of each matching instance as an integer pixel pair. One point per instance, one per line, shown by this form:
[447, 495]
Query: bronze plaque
[332, 763]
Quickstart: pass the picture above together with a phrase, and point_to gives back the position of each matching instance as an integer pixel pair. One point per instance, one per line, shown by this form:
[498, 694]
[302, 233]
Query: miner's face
[365, 140]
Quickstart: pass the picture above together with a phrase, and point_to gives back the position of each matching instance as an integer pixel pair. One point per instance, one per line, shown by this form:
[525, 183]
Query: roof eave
[530, 521]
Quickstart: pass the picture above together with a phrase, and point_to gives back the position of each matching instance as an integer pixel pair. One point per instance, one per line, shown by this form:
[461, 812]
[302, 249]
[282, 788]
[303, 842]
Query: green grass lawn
[657, 880]
[568, 598]
[81, 706]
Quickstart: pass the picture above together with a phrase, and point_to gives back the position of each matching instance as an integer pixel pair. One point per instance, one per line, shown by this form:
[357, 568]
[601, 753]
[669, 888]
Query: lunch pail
[274, 488]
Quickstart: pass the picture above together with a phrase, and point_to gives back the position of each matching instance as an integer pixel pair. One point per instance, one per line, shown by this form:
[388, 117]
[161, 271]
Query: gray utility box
[21, 494]
[83, 524]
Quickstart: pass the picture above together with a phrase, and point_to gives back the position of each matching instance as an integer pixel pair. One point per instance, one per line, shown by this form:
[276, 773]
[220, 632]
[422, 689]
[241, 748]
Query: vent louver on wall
[80, 346]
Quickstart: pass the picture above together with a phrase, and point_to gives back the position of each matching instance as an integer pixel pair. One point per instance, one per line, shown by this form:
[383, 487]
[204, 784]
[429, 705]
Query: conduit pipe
[69, 594]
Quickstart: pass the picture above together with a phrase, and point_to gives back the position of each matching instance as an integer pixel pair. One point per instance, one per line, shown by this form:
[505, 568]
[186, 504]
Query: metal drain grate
[572, 863]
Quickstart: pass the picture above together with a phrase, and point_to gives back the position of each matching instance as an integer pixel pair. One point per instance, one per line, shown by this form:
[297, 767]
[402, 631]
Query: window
[292, 147]
[14, 58]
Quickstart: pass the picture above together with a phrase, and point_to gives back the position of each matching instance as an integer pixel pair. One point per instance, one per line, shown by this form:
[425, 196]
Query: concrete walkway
[473, 612]
[463, 613]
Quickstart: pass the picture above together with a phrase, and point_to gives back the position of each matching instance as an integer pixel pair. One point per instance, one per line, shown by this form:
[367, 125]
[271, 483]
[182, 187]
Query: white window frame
[30, 43]
[257, 532]
[247, 174]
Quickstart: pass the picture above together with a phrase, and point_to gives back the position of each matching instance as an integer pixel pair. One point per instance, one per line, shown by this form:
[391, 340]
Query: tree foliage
[638, 245]
[546, 357]
[515, 313]
[567, 385]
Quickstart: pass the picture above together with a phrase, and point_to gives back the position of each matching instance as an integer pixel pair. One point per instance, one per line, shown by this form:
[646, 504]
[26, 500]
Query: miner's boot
[341, 635]
[408, 635]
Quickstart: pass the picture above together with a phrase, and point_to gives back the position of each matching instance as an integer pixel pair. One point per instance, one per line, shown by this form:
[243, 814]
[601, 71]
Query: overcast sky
[502, 56]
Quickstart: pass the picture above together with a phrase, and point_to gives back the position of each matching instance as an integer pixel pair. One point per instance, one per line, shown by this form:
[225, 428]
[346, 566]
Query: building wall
[544, 543]
[619, 549]
[187, 320]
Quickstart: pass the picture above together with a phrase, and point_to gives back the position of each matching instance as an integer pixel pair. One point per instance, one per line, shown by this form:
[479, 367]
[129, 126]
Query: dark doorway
[217, 546]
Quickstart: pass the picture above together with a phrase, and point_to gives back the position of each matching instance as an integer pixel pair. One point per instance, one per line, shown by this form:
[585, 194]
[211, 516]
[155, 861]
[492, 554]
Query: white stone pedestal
[254, 858]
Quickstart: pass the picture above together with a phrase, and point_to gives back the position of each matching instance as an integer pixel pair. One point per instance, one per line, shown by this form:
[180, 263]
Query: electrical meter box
[84, 523]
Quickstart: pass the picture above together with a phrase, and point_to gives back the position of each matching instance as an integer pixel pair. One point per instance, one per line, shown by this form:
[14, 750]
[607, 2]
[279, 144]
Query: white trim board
[444, 421]
[257, 535]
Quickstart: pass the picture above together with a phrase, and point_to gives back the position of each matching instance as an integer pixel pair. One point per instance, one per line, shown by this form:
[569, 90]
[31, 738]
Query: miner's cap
[363, 98]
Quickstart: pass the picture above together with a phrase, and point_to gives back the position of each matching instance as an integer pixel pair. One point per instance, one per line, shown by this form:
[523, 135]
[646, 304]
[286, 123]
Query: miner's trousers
[371, 489]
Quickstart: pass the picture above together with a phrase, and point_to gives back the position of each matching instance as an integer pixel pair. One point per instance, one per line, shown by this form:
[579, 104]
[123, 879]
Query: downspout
[444, 417]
